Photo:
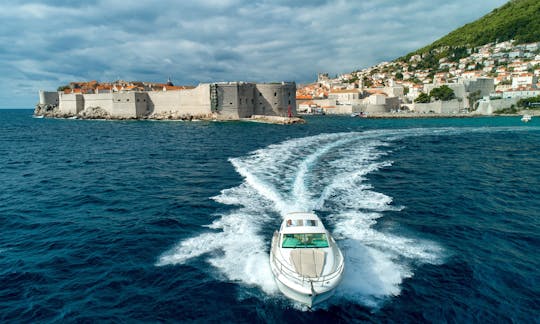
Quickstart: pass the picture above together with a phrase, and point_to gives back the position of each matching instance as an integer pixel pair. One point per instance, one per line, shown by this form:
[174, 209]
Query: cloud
[50, 43]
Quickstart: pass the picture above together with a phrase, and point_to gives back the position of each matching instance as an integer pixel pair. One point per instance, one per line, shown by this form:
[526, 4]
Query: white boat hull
[305, 260]
[307, 299]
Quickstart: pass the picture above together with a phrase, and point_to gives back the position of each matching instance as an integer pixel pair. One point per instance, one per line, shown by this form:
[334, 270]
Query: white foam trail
[324, 172]
[237, 249]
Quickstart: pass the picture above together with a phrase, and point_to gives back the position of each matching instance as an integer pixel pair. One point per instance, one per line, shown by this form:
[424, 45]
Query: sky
[46, 44]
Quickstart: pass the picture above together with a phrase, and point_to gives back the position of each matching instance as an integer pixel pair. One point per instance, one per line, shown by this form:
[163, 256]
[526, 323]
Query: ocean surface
[145, 221]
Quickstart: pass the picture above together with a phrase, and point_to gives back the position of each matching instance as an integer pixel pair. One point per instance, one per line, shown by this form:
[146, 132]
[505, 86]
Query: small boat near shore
[526, 118]
[358, 114]
[305, 260]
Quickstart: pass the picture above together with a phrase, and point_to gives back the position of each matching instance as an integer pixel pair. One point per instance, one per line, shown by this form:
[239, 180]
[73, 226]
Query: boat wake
[327, 173]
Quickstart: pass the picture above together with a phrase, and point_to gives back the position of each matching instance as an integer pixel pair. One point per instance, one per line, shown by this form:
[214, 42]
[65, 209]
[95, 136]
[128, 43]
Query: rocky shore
[433, 115]
[275, 120]
[99, 113]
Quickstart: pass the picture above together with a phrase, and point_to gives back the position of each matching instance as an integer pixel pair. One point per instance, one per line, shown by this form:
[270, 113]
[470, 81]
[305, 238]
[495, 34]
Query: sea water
[438, 219]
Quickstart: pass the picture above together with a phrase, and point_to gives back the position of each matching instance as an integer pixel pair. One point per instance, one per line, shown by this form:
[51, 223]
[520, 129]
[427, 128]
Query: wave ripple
[327, 173]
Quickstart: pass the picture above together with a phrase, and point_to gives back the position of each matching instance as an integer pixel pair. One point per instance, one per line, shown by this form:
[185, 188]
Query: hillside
[517, 19]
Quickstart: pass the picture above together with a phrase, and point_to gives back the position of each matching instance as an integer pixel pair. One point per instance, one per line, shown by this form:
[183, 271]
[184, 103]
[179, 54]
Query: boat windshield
[305, 240]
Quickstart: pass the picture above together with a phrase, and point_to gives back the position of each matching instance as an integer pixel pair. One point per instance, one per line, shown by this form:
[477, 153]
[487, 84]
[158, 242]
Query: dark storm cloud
[49, 43]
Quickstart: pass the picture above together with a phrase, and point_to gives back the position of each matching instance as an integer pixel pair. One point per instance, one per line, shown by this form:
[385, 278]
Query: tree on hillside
[443, 93]
[517, 19]
[527, 102]
[367, 82]
[423, 98]
[473, 98]
[457, 53]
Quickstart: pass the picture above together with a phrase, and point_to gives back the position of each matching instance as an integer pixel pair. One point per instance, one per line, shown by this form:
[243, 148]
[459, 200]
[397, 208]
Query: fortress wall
[190, 102]
[392, 103]
[261, 103]
[339, 110]
[102, 100]
[234, 100]
[490, 106]
[290, 99]
[164, 101]
[71, 103]
[275, 98]
[376, 99]
[141, 104]
[49, 98]
[425, 108]
[485, 85]
[451, 107]
[196, 101]
[246, 93]
[439, 107]
[124, 105]
[459, 90]
[228, 100]
[375, 108]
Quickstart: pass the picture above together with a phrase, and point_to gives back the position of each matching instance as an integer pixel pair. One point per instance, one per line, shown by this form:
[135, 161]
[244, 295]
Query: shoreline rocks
[434, 115]
[275, 120]
[52, 111]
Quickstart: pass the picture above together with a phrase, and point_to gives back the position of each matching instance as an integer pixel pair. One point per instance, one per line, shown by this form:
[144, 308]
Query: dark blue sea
[145, 221]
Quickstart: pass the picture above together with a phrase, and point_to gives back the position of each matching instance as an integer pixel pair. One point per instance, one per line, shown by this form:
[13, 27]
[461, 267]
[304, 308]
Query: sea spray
[324, 172]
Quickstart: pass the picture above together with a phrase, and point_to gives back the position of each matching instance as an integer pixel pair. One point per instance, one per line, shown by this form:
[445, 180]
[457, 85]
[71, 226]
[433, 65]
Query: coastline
[49, 111]
[435, 115]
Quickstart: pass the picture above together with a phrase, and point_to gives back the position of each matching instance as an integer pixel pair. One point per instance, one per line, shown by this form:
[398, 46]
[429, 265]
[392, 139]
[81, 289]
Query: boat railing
[295, 276]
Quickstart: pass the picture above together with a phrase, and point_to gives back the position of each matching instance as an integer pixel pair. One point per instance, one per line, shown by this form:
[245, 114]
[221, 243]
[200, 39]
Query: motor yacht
[306, 262]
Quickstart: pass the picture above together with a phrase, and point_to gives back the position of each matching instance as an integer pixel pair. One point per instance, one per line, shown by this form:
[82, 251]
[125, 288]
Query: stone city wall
[232, 100]
[484, 85]
[71, 103]
[49, 98]
[274, 99]
[102, 100]
[490, 106]
[439, 107]
[193, 102]
[228, 100]
[375, 108]
[129, 104]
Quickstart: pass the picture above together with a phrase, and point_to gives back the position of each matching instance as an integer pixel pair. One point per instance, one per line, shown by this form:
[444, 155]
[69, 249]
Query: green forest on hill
[517, 19]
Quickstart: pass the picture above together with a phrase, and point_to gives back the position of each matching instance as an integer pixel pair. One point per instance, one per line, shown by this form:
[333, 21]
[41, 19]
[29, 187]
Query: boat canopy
[304, 240]
[295, 223]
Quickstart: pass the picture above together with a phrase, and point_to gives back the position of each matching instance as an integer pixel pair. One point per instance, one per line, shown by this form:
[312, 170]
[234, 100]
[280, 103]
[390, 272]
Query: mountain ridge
[517, 20]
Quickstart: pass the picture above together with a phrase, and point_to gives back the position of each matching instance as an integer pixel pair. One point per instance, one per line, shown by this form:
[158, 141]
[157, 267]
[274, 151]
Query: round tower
[42, 97]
